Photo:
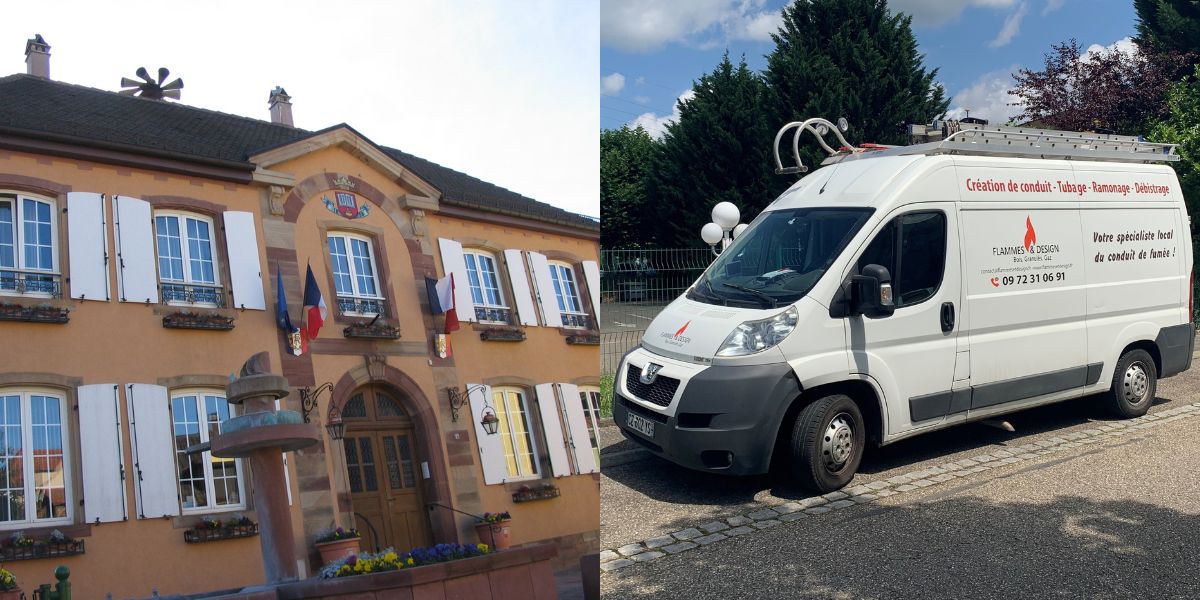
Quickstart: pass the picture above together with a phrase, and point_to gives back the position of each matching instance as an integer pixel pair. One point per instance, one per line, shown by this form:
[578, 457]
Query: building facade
[142, 244]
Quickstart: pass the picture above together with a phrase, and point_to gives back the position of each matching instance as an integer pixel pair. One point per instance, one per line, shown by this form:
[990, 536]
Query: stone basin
[284, 429]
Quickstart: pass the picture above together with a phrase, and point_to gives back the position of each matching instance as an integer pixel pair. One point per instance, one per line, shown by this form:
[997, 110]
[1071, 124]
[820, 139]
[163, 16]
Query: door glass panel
[406, 462]
[352, 467]
[368, 464]
[386, 406]
[393, 466]
[355, 408]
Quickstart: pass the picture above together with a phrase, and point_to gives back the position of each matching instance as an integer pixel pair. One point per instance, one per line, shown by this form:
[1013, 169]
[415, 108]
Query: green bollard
[62, 589]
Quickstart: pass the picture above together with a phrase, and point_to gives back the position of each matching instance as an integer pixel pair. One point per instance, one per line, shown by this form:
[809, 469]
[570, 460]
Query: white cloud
[642, 99]
[641, 80]
[535, 63]
[655, 125]
[987, 98]
[646, 25]
[611, 85]
[1051, 6]
[1125, 45]
[934, 13]
[1011, 27]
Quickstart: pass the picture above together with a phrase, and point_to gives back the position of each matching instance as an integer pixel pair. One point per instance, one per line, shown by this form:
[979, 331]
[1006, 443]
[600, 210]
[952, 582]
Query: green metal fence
[634, 286]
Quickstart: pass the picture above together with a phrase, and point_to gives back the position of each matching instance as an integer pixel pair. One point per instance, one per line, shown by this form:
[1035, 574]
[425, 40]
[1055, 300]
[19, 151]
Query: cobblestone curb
[777, 514]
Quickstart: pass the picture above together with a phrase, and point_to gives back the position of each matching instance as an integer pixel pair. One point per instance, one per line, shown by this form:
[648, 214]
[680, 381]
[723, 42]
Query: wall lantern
[489, 421]
[309, 400]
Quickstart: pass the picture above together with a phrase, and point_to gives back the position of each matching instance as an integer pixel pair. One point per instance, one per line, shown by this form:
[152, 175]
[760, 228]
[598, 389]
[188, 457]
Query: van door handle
[947, 316]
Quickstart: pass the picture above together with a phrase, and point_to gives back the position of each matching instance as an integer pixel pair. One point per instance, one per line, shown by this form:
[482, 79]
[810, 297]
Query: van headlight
[756, 336]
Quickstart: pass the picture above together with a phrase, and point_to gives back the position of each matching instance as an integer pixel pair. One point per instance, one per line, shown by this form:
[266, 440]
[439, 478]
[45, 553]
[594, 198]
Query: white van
[903, 290]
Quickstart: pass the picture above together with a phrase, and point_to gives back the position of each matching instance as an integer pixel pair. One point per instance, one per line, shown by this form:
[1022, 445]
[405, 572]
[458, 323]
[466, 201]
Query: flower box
[190, 320]
[203, 534]
[42, 313]
[41, 550]
[539, 493]
[376, 332]
[502, 335]
[586, 339]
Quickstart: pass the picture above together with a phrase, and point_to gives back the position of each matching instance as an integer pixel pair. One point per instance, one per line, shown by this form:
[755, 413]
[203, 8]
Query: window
[590, 397]
[28, 248]
[206, 482]
[568, 295]
[354, 277]
[484, 280]
[187, 270]
[34, 461]
[919, 240]
[516, 434]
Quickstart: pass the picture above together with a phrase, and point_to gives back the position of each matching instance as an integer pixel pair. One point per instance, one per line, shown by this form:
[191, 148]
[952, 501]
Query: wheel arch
[864, 393]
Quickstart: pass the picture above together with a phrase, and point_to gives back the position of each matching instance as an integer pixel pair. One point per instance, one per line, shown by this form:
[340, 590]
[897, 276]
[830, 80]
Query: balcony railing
[492, 314]
[31, 282]
[361, 306]
[193, 293]
[579, 320]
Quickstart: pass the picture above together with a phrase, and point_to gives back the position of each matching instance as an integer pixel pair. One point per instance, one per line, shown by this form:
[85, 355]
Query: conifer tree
[625, 155]
[718, 150]
[853, 59]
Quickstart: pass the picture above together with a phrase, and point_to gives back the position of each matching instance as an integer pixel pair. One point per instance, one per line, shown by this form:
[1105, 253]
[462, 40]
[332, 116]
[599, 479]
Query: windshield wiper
[767, 297]
[710, 294]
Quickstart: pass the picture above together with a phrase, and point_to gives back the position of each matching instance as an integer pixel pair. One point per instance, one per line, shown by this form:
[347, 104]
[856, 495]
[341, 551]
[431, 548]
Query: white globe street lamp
[724, 228]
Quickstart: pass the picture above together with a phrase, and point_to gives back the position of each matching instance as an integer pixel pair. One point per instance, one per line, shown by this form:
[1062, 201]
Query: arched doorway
[383, 468]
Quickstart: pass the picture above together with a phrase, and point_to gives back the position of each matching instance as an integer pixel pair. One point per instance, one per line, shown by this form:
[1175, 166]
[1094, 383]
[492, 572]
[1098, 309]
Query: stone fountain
[261, 434]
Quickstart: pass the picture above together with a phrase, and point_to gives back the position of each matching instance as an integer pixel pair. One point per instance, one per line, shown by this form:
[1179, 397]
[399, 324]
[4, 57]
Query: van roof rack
[956, 137]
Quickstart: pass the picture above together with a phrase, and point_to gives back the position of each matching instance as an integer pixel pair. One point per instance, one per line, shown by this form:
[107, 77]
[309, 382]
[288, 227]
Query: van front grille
[661, 392]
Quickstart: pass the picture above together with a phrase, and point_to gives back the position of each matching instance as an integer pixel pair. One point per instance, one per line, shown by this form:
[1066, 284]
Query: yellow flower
[367, 569]
[483, 547]
[391, 557]
[410, 561]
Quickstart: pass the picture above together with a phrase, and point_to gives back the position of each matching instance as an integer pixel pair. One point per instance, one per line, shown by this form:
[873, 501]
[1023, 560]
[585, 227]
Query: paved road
[1071, 505]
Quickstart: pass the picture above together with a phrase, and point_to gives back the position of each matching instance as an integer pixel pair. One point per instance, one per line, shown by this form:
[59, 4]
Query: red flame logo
[682, 329]
[1030, 235]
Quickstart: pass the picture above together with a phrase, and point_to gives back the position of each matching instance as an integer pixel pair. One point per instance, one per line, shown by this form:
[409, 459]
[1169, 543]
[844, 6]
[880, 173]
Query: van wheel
[1134, 384]
[827, 443]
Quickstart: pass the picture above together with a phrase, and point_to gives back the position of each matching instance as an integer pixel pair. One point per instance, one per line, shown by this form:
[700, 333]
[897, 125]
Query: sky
[652, 51]
[503, 91]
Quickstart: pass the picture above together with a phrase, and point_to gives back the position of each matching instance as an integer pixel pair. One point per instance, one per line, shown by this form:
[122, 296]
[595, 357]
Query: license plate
[640, 424]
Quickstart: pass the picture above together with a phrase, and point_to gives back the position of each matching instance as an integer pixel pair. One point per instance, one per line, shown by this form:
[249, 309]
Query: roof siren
[149, 88]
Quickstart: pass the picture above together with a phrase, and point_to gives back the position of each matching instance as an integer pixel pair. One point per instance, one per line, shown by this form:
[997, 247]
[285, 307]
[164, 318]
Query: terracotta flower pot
[331, 551]
[13, 594]
[494, 534]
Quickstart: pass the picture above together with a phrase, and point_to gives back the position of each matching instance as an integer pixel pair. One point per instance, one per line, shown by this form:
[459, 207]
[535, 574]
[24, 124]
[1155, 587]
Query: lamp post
[724, 227]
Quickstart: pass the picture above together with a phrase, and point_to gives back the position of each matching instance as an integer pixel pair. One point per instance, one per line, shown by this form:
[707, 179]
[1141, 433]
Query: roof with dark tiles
[39, 108]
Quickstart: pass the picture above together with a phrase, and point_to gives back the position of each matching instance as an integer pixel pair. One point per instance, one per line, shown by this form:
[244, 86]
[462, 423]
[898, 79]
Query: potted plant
[337, 543]
[493, 529]
[9, 590]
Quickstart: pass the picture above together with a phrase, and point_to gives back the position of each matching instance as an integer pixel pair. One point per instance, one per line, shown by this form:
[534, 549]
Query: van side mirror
[871, 292]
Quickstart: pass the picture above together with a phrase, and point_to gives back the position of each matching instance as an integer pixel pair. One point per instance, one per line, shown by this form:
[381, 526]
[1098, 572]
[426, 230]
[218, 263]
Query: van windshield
[780, 257]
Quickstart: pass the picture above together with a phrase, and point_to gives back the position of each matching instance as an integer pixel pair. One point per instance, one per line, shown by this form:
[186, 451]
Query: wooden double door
[384, 471]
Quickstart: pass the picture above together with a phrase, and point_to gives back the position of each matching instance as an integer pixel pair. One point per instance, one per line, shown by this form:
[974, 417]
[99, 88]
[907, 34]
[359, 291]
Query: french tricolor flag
[441, 299]
[315, 310]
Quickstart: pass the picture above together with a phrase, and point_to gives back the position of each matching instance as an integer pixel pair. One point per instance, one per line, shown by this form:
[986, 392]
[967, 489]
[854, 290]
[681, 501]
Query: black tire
[1134, 384]
[815, 434]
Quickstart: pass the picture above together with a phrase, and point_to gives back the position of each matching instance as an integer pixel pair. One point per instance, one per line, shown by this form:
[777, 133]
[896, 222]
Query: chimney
[281, 107]
[37, 57]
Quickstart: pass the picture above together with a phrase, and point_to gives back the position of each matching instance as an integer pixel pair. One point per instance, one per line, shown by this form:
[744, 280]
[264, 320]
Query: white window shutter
[491, 450]
[453, 262]
[100, 447]
[245, 269]
[547, 299]
[155, 484]
[581, 439]
[137, 276]
[520, 287]
[552, 427]
[591, 272]
[87, 239]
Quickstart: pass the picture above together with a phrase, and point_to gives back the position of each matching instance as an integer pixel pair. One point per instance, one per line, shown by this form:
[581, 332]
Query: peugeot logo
[650, 373]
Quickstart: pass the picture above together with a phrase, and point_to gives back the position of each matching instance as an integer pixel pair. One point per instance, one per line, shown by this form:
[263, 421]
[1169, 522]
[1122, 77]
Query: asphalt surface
[1113, 519]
